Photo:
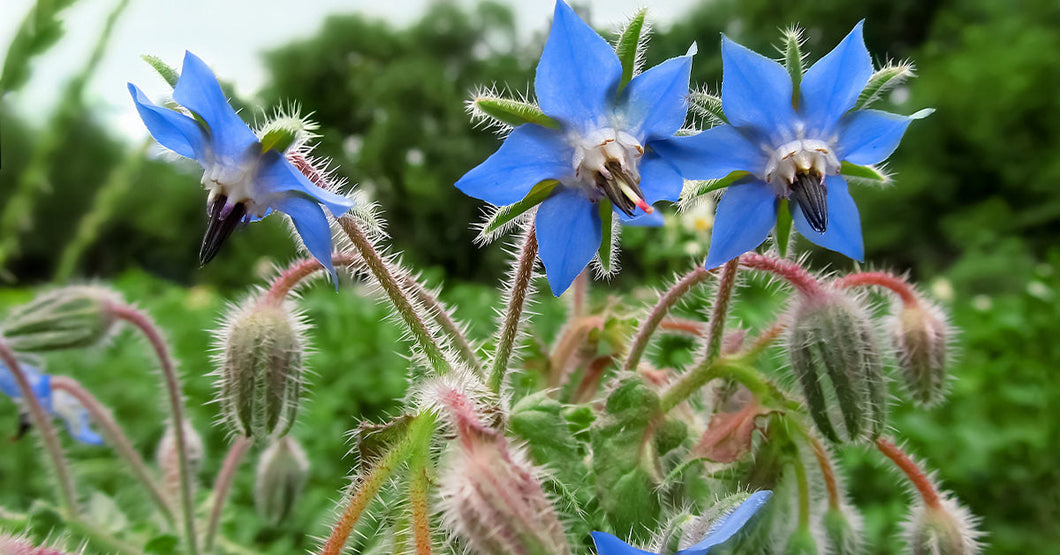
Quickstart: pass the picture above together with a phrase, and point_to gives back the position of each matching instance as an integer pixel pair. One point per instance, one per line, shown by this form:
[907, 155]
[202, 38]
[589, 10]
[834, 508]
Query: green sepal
[793, 60]
[708, 106]
[884, 80]
[499, 220]
[375, 440]
[165, 70]
[867, 173]
[513, 112]
[278, 139]
[629, 45]
[783, 231]
[696, 189]
[607, 237]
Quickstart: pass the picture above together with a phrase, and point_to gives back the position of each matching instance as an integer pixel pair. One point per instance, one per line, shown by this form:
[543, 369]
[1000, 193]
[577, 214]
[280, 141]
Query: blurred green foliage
[973, 204]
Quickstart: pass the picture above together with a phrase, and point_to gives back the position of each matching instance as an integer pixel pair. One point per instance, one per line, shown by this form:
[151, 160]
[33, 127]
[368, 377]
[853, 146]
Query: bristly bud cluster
[67, 318]
[168, 458]
[260, 369]
[282, 472]
[946, 528]
[834, 353]
[492, 497]
[921, 335]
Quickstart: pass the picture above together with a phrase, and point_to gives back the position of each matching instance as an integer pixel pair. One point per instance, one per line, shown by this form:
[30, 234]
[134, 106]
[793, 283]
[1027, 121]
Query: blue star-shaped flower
[792, 150]
[56, 403]
[245, 181]
[608, 145]
[721, 532]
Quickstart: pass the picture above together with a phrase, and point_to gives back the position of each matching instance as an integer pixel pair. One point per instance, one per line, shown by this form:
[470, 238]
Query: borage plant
[591, 444]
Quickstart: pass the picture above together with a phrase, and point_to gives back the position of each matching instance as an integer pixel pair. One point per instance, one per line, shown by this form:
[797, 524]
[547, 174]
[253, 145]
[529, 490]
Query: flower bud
[834, 354]
[17, 545]
[920, 334]
[261, 370]
[281, 476]
[944, 529]
[168, 457]
[67, 318]
[801, 542]
[843, 530]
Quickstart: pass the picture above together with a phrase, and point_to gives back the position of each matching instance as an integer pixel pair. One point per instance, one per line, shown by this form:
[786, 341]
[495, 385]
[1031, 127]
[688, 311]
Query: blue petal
[171, 129]
[75, 415]
[577, 77]
[568, 235]
[530, 155]
[746, 213]
[870, 136]
[755, 91]
[659, 179]
[832, 85]
[729, 525]
[198, 90]
[655, 219]
[38, 382]
[312, 226]
[843, 233]
[278, 175]
[712, 154]
[606, 544]
[656, 101]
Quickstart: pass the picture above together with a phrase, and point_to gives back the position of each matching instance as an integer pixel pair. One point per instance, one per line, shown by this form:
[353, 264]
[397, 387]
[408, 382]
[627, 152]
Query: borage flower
[600, 146]
[56, 403]
[792, 145]
[720, 532]
[246, 176]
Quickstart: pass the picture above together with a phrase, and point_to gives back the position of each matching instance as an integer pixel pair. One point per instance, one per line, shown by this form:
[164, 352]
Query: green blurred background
[974, 217]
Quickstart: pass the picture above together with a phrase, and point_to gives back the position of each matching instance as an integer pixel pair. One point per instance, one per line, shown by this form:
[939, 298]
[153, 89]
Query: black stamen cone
[218, 229]
[809, 193]
[611, 188]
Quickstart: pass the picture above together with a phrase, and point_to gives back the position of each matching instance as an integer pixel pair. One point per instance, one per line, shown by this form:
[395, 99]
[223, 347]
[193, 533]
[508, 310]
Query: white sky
[230, 35]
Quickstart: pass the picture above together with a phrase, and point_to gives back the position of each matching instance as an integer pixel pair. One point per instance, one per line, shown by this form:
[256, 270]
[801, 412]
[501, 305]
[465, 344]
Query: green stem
[176, 408]
[117, 438]
[419, 488]
[222, 485]
[732, 369]
[362, 492]
[721, 309]
[398, 298]
[47, 432]
[803, 485]
[665, 305]
[524, 271]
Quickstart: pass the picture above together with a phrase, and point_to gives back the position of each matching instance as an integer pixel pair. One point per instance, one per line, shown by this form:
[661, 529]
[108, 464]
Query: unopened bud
[801, 542]
[944, 529]
[261, 370]
[843, 530]
[67, 318]
[920, 334]
[168, 457]
[281, 476]
[17, 545]
[834, 354]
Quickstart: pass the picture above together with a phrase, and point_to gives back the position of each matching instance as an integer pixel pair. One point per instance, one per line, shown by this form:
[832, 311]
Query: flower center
[231, 199]
[606, 165]
[796, 170]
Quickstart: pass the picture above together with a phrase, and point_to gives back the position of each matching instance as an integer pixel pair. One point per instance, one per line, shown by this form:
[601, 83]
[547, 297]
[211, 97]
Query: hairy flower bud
[17, 545]
[281, 476]
[944, 529]
[920, 334]
[843, 530]
[261, 370]
[66, 318]
[168, 457]
[834, 354]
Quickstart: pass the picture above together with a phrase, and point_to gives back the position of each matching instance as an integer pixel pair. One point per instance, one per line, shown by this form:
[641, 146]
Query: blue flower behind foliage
[245, 179]
[608, 146]
[721, 532]
[792, 145]
[56, 403]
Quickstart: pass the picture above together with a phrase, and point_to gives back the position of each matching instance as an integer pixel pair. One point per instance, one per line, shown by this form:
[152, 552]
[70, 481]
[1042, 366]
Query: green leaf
[783, 232]
[497, 222]
[708, 106]
[165, 70]
[630, 43]
[696, 189]
[606, 252]
[867, 173]
[39, 31]
[167, 544]
[278, 139]
[882, 81]
[512, 112]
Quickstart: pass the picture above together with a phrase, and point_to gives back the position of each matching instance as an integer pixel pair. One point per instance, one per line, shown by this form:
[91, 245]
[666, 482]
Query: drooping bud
[801, 542]
[920, 335]
[843, 530]
[168, 458]
[261, 366]
[834, 353]
[17, 545]
[491, 494]
[67, 318]
[281, 476]
[944, 529]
